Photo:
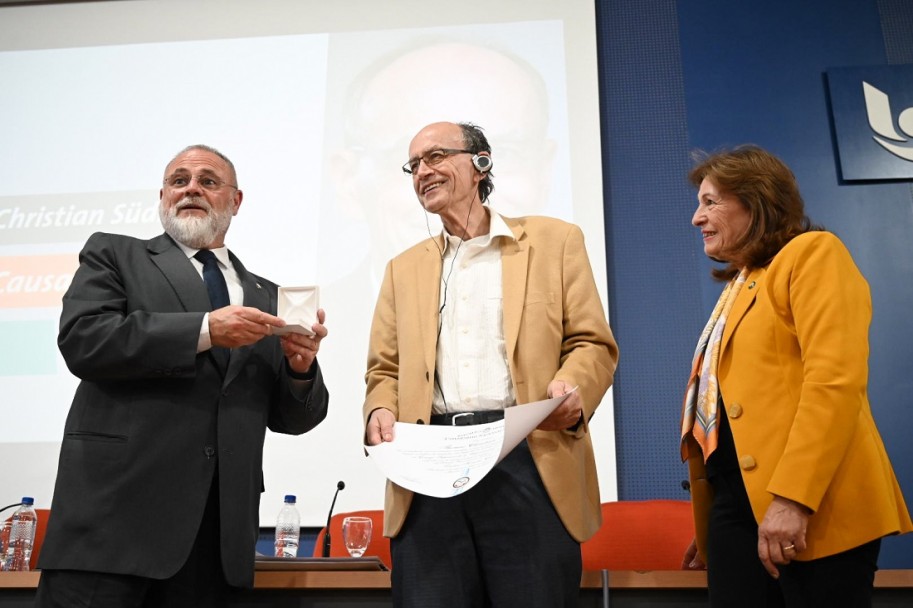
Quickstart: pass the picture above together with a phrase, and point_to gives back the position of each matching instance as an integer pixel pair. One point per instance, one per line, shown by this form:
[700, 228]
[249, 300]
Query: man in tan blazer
[492, 313]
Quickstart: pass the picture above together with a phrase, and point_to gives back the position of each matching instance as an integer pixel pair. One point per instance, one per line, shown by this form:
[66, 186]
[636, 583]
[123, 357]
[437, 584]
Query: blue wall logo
[872, 109]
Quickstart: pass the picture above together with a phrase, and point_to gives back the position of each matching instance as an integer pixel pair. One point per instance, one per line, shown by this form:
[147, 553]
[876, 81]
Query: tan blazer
[554, 328]
[793, 376]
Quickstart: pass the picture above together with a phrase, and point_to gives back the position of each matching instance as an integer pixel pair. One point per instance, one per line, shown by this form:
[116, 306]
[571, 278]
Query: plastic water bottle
[22, 535]
[4, 540]
[288, 529]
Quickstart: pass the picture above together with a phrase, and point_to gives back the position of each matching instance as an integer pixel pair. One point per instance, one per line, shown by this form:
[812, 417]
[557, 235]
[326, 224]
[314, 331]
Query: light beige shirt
[471, 369]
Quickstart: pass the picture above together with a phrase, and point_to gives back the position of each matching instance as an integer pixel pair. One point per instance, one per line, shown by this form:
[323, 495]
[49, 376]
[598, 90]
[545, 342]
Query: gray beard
[195, 232]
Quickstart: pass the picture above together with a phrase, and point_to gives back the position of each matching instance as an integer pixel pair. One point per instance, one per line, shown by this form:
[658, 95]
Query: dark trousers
[500, 544]
[200, 583]
[736, 576]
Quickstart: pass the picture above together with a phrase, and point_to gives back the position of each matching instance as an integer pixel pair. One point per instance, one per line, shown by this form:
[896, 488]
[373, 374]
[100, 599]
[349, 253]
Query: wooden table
[369, 588]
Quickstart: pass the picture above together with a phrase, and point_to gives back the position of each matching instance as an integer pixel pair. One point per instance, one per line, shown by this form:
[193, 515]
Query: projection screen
[315, 103]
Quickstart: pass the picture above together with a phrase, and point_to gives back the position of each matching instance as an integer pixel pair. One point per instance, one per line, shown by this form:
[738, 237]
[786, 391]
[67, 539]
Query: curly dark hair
[767, 188]
[475, 141]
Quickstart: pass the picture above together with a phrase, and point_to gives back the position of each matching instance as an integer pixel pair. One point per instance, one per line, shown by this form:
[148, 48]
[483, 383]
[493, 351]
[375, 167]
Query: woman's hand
[692, 560]
[781, 535]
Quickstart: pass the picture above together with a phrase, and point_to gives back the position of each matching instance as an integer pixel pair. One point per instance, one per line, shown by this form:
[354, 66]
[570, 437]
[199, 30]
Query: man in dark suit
[160, 473]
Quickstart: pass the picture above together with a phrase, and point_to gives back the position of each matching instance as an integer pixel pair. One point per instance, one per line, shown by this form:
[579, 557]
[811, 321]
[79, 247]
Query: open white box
[298, 306]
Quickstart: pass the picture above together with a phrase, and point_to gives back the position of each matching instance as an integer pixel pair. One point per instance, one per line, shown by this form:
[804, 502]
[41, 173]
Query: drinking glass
[356, 532]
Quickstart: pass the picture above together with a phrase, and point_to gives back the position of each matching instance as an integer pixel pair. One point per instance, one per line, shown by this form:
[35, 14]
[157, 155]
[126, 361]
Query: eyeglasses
[431, 158]
[206, 182]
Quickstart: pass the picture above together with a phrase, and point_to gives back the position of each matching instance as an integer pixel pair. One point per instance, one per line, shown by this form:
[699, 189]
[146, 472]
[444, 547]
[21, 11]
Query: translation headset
[481, 163]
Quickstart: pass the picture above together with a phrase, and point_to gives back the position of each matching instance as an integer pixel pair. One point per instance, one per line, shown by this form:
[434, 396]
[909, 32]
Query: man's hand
[380, 426]
[565, 415]
[301, 350]
[781, 534]
[234, 326]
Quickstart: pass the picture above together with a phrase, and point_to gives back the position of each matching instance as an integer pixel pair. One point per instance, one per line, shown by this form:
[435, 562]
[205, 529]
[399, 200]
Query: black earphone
[482, 163]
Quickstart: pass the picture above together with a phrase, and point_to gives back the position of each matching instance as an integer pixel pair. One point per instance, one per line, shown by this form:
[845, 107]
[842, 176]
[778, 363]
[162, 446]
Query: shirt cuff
[205, 341]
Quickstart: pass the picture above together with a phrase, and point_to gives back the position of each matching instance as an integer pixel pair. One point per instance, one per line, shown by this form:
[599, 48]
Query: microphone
[341, 485]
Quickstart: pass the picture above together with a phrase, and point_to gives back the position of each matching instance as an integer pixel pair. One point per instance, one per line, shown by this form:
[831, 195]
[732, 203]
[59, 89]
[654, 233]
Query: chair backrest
[378, 547]
[40, 529]
[640, 535]
[43, 515]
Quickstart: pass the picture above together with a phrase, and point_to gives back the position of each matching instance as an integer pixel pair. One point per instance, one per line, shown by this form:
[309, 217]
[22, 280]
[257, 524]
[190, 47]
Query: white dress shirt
[235, 290]
[472, 371]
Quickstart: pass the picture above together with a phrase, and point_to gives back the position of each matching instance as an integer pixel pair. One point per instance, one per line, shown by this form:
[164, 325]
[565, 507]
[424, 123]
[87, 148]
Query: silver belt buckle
[453, 421]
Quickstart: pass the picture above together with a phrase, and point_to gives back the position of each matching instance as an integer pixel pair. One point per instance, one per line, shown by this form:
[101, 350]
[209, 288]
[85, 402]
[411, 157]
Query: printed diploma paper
[444, 461]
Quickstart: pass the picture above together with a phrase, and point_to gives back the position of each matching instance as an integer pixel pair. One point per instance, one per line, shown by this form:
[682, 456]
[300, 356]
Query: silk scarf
[700, 408]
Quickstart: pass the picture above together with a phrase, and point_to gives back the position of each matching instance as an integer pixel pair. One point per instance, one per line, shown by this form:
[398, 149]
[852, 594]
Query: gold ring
[789, 548]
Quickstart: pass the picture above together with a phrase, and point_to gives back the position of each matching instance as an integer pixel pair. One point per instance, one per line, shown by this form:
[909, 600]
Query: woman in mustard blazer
[791, 485]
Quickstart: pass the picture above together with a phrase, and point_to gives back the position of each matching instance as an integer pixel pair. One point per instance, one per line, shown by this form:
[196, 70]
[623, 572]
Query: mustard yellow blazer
[554, 328]
[793, 375]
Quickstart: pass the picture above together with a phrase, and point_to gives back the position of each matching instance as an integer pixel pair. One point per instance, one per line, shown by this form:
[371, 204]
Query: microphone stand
[326, 538]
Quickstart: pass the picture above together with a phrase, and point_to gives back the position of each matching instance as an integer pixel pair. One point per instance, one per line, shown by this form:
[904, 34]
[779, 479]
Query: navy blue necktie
[218, 294]
[215, 280]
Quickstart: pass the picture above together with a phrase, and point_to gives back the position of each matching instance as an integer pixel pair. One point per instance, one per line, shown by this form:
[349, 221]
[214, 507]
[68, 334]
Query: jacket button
[735, 410]
[747, 462]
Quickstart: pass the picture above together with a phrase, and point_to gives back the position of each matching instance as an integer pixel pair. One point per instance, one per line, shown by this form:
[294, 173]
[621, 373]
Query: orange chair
[40, 529]
[640, 535]
[378, 547]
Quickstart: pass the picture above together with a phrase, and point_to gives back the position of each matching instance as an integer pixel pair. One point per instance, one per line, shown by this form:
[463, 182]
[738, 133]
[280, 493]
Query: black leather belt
[467, 418]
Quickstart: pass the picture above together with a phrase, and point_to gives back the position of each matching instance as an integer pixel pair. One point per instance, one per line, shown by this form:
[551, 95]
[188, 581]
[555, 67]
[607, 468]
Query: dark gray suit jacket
[152, 420]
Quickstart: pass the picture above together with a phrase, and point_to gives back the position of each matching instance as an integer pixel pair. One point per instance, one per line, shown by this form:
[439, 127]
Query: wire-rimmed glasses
[431, 158]
[206, 182]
